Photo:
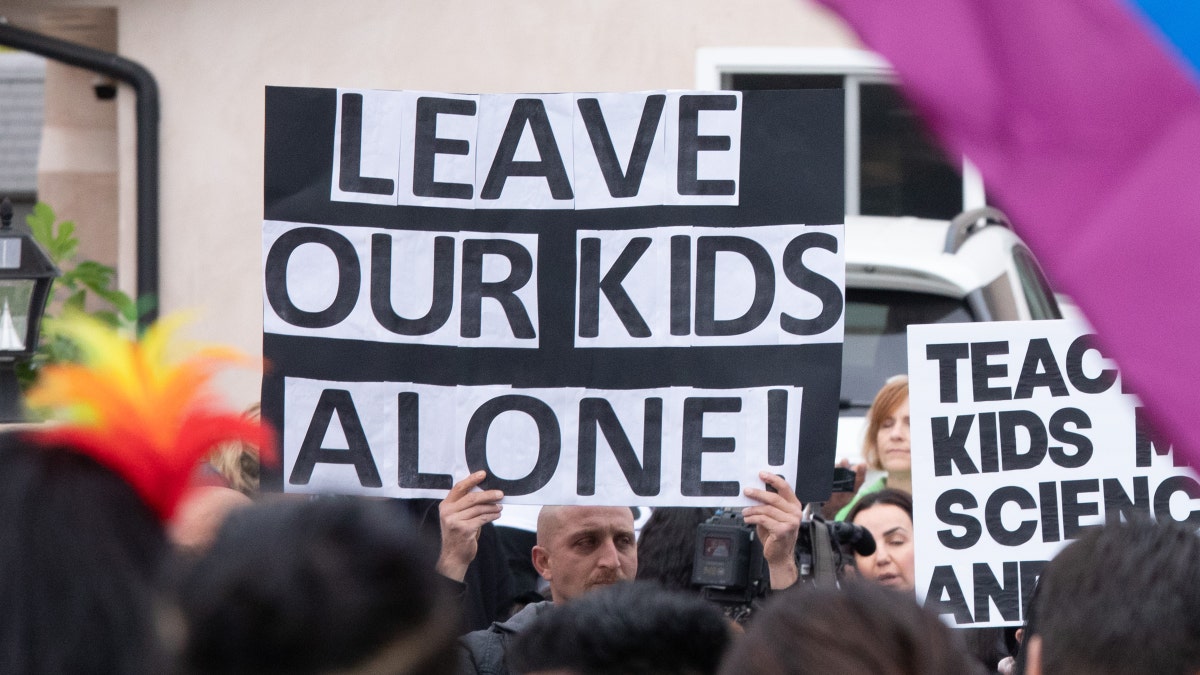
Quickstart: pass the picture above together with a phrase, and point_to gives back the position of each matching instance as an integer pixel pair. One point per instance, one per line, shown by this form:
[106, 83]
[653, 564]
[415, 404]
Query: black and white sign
[1022, 439]
[601, 298]
[612, 447]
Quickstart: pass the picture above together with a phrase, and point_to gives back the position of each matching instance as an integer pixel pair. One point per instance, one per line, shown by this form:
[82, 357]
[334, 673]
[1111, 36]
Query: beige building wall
[213, 58]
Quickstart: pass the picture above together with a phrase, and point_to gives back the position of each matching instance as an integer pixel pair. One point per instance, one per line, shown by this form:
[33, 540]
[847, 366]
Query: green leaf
[65, 243]
[69, 281]
[60, 243]
[41, 223]
[93, 274]
[123, 303]
[109, 318]
[74, 302]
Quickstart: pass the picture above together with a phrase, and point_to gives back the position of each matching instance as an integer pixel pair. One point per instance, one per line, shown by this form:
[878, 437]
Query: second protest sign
[1023, 438]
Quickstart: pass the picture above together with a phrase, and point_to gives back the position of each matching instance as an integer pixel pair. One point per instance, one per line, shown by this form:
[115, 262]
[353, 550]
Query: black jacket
[483, 652]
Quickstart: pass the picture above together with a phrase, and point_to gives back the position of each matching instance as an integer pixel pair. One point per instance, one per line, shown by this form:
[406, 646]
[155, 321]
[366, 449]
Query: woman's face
[891, 441]
[892, 562]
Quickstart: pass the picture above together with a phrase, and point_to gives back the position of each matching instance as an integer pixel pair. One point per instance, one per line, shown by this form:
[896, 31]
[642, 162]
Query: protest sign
[629, 298]
[1022, 439]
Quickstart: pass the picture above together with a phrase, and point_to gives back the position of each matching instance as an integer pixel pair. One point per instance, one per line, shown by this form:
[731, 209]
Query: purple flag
[1085, 122]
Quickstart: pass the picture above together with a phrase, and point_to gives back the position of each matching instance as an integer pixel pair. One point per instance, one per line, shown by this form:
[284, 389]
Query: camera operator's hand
[463, 513]
[838, 500]
[777, 523]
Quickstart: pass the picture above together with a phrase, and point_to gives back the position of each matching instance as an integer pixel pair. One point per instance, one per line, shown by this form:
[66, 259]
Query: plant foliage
[86, 287]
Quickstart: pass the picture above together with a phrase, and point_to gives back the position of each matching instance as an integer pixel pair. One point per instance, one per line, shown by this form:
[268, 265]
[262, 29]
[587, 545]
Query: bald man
[580, 548]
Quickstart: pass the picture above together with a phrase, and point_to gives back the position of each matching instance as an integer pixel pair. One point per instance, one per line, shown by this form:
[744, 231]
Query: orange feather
[142, 415]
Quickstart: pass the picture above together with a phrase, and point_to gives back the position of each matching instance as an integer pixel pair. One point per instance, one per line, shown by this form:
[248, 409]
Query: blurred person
[886, 441]
[83, 502]
[887, 515]
[1123, 599]
[667, 545]
[237, 462]
[80, 554]
[232, 464]
[635, 628]
[1008, 664]
[859, 629]
[331, 585]
[200, 514]
[227, 479]
[991, 647]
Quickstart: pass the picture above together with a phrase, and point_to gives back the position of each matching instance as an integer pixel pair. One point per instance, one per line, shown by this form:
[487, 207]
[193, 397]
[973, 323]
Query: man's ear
[1033, 655]
[541, 562]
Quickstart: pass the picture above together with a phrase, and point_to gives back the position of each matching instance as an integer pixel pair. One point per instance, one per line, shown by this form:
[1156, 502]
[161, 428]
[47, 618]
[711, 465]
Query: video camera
[729, 568]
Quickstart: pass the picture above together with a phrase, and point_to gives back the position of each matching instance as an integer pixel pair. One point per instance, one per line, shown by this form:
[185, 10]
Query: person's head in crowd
[80, 554]
[666, 545]
[236, 463]
[584, 547]
[859, 629]
[634, 628]
[887, 515]
[886, 442]
[332, 585]
[1121, 600]
[84, 500]
[200, 514]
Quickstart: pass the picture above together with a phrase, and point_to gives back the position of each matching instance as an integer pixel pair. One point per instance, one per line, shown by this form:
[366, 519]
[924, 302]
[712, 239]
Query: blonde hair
[237, 462]
[890, 397]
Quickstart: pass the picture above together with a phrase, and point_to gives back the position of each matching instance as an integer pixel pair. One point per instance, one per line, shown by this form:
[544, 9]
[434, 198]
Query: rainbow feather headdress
[131, 408]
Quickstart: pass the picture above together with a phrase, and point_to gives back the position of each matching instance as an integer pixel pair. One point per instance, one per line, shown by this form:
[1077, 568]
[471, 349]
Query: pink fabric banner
[1086, 127]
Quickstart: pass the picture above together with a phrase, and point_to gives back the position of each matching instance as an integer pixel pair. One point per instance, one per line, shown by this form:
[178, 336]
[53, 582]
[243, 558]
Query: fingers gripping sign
[777, 523]
[463, 513]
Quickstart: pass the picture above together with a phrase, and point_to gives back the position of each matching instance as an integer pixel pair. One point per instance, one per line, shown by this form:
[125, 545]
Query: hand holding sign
[777, 523]
[463, 513]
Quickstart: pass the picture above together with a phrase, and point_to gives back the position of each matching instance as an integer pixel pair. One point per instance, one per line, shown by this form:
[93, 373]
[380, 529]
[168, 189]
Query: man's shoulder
[485, 648]
[517, 622]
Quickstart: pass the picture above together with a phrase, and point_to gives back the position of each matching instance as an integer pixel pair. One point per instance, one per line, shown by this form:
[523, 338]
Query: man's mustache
[606, 579]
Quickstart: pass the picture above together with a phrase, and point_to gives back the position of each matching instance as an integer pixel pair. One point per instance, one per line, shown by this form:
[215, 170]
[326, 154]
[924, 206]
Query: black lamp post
[26, 273]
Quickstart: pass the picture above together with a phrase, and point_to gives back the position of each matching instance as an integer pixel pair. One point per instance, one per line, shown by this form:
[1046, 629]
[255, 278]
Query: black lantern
[26, 273]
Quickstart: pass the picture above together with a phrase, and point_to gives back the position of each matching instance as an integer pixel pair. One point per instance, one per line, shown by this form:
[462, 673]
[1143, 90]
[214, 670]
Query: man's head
[333, 585]
[81, 554]
[583, 547]
[1122, 600]
[637, 628]
[860, 628]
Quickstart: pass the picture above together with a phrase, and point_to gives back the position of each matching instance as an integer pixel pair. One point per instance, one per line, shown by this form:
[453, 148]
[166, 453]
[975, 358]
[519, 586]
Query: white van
[903, 270]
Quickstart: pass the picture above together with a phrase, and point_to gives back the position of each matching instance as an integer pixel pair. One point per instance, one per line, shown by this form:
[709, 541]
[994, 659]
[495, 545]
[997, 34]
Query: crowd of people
[105, 570]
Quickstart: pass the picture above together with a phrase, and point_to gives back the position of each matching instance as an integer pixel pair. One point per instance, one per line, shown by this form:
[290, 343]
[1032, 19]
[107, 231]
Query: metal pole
[12, 407]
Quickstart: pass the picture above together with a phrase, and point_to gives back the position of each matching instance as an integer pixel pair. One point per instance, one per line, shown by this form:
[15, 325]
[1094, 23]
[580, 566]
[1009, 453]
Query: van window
[876, 343]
